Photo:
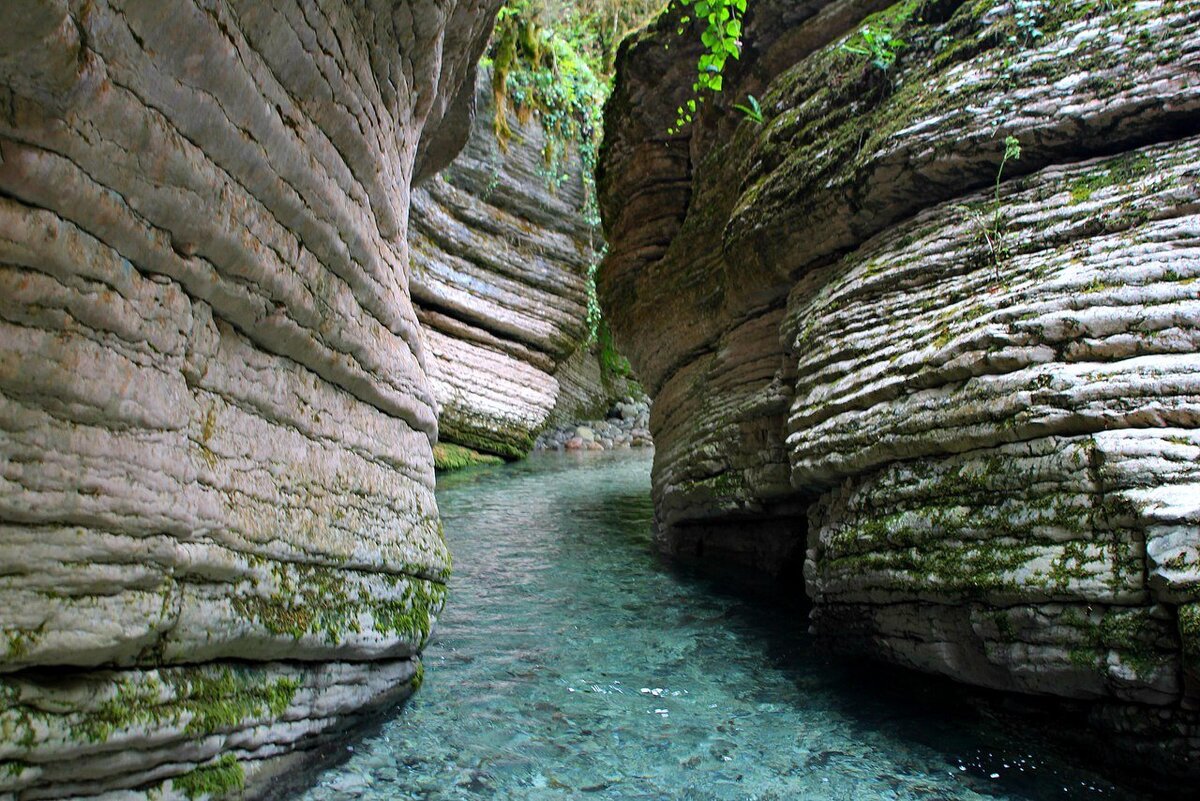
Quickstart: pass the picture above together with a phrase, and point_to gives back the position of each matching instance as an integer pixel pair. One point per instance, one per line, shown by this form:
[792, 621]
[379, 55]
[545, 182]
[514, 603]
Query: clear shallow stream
[572, 662]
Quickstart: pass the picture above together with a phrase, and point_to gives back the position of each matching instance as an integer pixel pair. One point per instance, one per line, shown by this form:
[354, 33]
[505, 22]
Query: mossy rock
[448, 457]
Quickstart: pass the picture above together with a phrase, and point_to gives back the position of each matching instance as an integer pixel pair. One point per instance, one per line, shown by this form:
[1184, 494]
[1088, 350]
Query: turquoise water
[573, 662]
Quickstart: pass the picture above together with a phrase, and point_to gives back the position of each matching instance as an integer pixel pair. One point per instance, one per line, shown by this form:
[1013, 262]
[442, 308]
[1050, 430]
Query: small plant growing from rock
[1027, 14]
[752, 110]
[879, 45]
[992, 225]
[1012, 152]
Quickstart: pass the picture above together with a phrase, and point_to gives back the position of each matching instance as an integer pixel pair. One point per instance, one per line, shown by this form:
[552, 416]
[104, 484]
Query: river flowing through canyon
[574, 662]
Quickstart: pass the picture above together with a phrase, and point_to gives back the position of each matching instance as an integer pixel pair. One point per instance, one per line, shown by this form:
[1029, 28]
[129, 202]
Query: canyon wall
[959, 394]
[501, 248]
[218, 534]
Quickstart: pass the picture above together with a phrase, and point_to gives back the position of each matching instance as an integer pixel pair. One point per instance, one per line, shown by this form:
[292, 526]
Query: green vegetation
[1012, 152]
[1027, 17]
[554, 61]
[879, 44]
[209, 700]
[199, 701]
[1189, 633]
[221, 778]
[1131, 633]
[1120, 171]
[595, 315]
[752, 111]
[310, 600]
[19, 642]
[612, 363]
[447, 456]
[722, 39]
[992, 225]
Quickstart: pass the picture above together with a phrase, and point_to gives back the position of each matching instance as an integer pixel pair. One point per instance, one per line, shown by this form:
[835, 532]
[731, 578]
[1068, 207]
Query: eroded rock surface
[218, 534]
[965, 400]
[501, 248]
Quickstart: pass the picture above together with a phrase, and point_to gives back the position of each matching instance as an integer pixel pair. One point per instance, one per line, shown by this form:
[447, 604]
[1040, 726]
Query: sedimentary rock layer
[962, 389]
[217, 525]
[501, 249]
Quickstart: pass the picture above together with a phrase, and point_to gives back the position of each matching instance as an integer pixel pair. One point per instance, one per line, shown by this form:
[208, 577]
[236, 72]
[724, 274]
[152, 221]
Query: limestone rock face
[501, 250]
[218, 534]
[964, 397]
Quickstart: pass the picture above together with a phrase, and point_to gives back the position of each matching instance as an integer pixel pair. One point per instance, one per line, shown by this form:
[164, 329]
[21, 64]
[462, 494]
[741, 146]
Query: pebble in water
[626, 426]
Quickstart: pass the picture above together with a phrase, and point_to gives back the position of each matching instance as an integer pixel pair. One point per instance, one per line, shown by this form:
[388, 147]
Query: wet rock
[966, 409]
[614, 432]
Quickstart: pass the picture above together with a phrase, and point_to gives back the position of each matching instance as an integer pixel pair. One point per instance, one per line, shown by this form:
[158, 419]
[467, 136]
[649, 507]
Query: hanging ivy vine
[538, 73]
[722, 40]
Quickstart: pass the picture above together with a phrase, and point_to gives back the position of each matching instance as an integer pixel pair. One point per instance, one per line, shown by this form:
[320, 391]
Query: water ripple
[573, 663]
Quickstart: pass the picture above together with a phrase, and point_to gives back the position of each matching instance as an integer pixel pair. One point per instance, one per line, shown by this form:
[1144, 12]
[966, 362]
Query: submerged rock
[217, 524]
[960, 391]
[616, 431]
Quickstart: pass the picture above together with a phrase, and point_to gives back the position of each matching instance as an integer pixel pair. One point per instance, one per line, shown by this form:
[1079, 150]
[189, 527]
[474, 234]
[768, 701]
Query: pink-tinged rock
[500, 262]
[215, 416]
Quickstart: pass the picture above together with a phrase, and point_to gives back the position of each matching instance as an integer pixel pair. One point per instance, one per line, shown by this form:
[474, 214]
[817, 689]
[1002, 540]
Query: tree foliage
[555, 60]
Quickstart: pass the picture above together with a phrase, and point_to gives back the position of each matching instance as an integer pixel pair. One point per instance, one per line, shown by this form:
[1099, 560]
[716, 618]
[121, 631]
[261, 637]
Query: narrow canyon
[908, 292]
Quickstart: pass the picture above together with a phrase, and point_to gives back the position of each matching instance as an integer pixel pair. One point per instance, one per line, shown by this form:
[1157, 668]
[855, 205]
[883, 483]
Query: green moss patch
[1130, 633]
[311, 600]
[223, 778]
[1116, 172]
[1189, 635]
[447, 457]
[204, 699]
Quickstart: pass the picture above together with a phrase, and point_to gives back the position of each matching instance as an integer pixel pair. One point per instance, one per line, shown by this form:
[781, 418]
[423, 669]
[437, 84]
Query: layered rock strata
[218, 534]
[501, 249]
[962, 391]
